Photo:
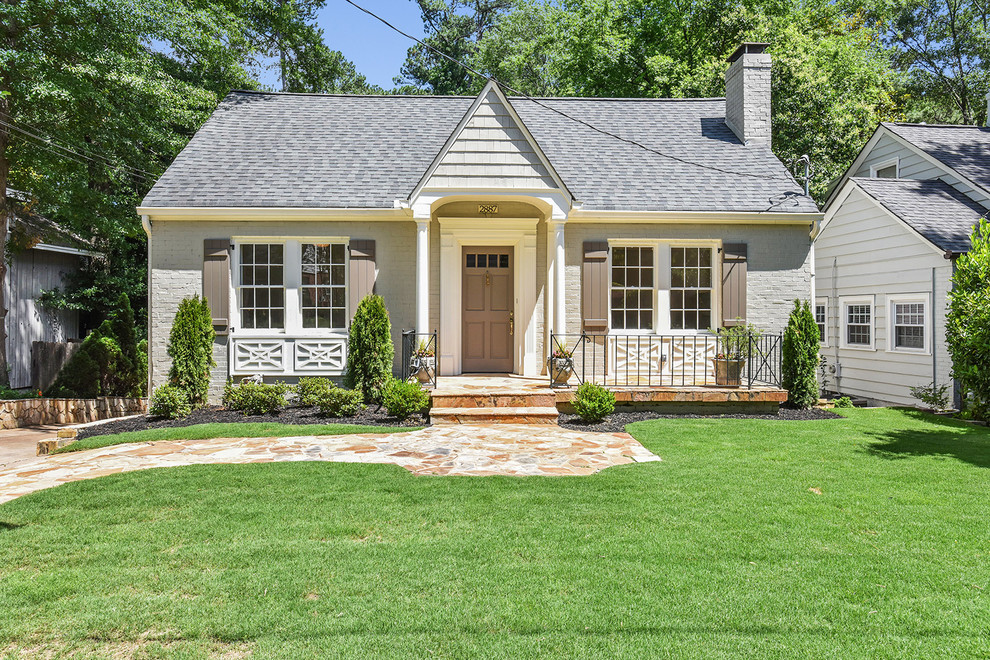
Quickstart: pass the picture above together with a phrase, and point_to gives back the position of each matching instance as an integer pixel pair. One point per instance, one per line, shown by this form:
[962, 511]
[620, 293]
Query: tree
[967, 331]
[799, 357]
[370, 351]
[190, 345]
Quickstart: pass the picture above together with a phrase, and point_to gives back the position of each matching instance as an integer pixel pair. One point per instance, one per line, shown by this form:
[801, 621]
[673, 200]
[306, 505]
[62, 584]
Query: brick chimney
[747, 94]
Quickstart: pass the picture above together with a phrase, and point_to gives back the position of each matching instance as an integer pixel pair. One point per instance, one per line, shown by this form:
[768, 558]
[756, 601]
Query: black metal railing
[420, 357]
[646, 360]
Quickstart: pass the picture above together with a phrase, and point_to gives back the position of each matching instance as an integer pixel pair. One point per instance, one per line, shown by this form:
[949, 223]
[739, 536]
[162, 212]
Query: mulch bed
[617, 421]
[370, 416]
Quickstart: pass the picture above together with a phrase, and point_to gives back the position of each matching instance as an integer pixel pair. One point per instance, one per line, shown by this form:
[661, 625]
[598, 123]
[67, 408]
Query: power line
[564, 114]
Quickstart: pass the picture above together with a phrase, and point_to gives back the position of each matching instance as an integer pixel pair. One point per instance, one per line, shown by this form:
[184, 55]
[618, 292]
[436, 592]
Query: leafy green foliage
[170, 402]
[255, 398]
[402, 399]
[799, 357]
[309, 390]
[933, 395]
[190, 345]
[593, 402]
[7, 393]
[370, 351]
[967, 331]
[339, 402]
[738, 342]
[110, 361]
[842, 402]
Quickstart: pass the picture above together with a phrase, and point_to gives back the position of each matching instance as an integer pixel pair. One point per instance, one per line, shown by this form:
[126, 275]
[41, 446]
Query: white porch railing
[288, 356]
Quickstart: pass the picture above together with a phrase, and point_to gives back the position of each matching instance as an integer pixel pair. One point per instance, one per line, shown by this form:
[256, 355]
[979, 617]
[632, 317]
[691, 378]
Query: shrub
[842, 402]
[934, 396]
[255, 398]
[369, 350]
[967, 332]
[402, 399]
[594, 402]
[339, 402]
[310, 390]
[799, 357]
[170, 402]
[190, 345]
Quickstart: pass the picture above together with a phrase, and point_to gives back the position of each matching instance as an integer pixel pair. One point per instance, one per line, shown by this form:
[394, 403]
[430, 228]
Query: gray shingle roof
[331, 151]
[932, 207]
[966, 149]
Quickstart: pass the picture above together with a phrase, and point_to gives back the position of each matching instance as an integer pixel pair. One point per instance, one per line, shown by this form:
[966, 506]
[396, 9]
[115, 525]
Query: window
[262, 290]
[324, 292]
[632, 288]
[885, 170]
[690, 288]
[909, 323]
[857, 322]
[821, 319]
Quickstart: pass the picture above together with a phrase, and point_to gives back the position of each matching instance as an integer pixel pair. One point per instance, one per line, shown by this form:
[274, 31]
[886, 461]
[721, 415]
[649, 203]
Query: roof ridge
[924, 125]
[649, 99]
[259, 92]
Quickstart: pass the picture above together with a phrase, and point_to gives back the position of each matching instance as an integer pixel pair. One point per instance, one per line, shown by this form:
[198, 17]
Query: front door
[487, 319]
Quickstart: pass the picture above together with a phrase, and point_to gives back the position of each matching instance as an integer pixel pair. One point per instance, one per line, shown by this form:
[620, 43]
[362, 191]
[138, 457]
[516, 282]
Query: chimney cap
[748, 48]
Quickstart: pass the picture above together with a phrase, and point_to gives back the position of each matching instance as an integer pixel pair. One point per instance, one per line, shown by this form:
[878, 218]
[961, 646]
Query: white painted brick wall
[747, 98]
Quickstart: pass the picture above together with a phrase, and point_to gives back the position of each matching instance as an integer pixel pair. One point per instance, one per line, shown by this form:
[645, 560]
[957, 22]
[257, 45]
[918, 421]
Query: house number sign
[488, 209]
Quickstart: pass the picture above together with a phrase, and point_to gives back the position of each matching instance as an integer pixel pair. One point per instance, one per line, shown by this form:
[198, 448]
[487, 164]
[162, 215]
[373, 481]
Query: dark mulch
[617, 421]
[370, 416]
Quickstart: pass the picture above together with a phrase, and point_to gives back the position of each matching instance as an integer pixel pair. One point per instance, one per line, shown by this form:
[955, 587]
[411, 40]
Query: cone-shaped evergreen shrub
[967, 330]
[800, 357]
[190, 345]
[369, 350]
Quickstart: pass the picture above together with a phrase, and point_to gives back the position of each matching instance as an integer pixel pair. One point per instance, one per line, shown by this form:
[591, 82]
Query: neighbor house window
[886, 170]
[632, 288]
[691, 276]
[909, 323]
[857, 322]
[324, 288]
[261, 285]
[821, 319]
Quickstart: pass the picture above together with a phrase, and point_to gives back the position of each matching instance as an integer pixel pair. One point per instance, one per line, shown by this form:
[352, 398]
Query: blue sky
[376, 51]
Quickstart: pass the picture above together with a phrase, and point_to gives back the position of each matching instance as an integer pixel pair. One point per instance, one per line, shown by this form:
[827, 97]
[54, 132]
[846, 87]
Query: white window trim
[895, 161]
[661, 275]
[902, 298]
[292, 283]
[845, 301]
[823, 300]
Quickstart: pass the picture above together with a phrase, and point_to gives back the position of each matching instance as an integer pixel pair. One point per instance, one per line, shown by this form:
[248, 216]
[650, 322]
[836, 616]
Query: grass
[861, 537]
[225, 430]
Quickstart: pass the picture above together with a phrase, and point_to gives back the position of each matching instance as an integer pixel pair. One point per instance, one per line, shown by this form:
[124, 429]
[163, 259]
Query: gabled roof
[335, 151]
[933, 208]
[966, 149]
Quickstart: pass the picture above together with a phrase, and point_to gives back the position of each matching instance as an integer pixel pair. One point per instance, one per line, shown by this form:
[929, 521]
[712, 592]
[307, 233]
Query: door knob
[488, 279]
[512, 324]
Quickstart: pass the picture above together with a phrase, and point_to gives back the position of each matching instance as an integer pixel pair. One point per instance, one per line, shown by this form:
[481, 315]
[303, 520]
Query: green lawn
[228, 430]
[725, 548]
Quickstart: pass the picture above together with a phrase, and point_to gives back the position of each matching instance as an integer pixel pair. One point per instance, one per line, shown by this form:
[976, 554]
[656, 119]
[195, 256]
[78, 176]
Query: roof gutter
[79, 252]
[249, 212]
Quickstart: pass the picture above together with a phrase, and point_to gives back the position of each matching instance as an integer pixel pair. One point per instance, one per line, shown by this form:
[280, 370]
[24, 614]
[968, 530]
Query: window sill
[847, 347]
[909, 351]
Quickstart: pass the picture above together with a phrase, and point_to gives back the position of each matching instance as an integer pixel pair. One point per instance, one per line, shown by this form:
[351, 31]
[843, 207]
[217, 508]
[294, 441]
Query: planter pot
[424, 368]
[561, 370]
[728, 372]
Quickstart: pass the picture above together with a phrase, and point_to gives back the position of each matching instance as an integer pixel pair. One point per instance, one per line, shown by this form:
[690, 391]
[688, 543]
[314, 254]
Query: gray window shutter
[216, 281]
[734, 284]
[361, 276]
[594, 288]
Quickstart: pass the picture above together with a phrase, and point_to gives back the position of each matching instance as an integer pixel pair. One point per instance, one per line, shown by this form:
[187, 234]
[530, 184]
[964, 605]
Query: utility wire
[54, 147]
[561, 112]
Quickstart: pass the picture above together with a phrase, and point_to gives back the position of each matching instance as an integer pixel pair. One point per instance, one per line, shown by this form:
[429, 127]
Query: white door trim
[519, 233]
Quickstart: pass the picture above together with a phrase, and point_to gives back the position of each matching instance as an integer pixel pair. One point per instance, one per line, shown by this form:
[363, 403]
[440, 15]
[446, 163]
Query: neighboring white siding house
[884, 258]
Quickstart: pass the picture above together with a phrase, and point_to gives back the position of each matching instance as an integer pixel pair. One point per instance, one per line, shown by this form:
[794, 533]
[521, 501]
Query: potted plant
[736, 344]
[423, 362]
[561, 364]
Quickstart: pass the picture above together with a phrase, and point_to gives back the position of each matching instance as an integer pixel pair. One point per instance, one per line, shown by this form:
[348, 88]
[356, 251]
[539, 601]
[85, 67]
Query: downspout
[146, 225]
[934, 352]
[838, 325]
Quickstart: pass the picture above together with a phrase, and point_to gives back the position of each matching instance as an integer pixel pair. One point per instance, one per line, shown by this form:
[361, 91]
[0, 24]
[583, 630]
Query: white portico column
[422, 275]
[559, 300]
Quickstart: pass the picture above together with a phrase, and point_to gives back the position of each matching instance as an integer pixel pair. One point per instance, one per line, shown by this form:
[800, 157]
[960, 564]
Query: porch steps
[494, 408]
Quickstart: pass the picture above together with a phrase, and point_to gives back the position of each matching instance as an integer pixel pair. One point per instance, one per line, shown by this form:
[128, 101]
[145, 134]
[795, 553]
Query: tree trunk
[9, 36]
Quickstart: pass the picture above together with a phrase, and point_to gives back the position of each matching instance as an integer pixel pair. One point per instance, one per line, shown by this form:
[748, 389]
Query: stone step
[495, 415]
[545, 399]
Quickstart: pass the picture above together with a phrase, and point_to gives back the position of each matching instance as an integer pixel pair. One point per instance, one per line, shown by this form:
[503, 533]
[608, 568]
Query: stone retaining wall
[15, 413]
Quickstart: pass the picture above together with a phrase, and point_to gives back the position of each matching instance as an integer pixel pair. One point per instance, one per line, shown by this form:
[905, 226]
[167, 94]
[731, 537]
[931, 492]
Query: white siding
[913, 165]
[30, 273]
[491, 152]
[874, 254]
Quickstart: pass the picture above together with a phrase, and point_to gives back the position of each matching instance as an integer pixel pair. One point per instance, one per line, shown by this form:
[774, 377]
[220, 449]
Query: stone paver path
[503, 449]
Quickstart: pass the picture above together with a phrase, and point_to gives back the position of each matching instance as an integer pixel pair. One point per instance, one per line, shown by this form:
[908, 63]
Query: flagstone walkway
[503, 449]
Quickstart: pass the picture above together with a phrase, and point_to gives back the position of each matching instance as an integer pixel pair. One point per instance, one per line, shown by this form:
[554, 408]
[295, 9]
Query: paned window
[632, 288]
[690, 288]
[889, 172]
[262, 286]
[909, 325]
[859, 325]
[820, 317]
[475, 260]
[324, 288]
